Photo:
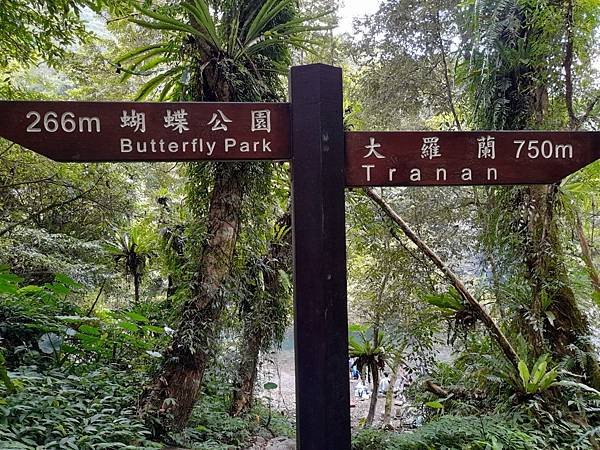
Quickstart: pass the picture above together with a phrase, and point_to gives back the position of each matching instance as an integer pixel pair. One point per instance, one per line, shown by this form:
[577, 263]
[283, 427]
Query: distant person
[384, 384]
[353, 370]
[361, 391]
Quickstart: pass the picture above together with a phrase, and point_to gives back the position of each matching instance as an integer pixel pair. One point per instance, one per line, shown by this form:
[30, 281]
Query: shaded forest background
[140, 303]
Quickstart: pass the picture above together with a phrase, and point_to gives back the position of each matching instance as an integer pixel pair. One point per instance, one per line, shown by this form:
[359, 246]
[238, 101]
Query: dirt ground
[279, 369]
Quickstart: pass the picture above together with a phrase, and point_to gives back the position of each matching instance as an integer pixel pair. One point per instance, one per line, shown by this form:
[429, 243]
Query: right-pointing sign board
[424, 158]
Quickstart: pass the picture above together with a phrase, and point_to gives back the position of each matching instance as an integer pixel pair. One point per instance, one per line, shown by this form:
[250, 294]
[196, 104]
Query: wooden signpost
[309, 132]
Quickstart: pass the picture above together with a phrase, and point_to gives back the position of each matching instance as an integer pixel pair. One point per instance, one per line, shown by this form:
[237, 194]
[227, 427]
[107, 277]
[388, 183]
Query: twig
[91, 310]
[23, 183]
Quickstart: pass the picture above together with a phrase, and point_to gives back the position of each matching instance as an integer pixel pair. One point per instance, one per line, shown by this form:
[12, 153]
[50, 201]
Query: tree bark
[559, 325]
[487, 320]
[389, 395]
[137, 280]
[376, 343]
[243, 392]
[255, 334]
[175, 388]
[373, 401]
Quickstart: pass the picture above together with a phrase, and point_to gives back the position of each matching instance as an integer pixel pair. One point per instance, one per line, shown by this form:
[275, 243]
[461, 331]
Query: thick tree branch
[487, 320]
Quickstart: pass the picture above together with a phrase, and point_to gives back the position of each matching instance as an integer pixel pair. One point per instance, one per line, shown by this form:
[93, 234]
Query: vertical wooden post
[321, 327]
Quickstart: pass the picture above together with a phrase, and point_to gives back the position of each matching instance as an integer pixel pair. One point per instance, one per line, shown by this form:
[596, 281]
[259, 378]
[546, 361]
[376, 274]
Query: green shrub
[42, 325]
[453, 432]
[58, 411]
[211, 426]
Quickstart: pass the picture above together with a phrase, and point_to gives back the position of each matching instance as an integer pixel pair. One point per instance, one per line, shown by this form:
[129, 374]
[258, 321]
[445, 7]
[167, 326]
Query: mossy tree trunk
[518, 91]
[264, 316]
[175, 388]
[558, 326]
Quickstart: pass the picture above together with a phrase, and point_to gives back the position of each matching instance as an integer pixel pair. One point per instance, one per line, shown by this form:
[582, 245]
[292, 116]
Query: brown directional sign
[105, 131]
[433, 158]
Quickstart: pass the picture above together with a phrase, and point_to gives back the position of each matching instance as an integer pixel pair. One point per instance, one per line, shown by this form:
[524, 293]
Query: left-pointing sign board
[127, 131]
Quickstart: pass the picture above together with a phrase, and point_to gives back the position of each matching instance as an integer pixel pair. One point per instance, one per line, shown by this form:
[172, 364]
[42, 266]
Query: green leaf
[595, 297]
[270, 386]
[138, 52]
[154, 329]
[434, 404]
[129, 326]
[547, 380]
[539, 369]
[445, 301]
[50, 343]
[357, 328]
[89, 330]
[66, 281]
[524, 372]
[136, 317]
[201, 14]
[9, 283]
[581, 386]
[284, 279]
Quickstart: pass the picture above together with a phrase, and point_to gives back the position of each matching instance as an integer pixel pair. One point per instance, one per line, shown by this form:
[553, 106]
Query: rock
[281, 443]
[259, 443]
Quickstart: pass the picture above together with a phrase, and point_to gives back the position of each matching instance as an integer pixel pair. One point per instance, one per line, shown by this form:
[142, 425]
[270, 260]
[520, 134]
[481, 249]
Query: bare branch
[23, 183]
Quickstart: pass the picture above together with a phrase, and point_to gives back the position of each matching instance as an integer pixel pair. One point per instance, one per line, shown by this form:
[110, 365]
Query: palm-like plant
[370, 353]
[204, 58]
[132, 251]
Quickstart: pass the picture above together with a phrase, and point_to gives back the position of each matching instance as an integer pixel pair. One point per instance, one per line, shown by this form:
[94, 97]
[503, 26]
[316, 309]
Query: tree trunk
[257, 334]
[137, 280]
[373, 403]
[389, 395]
[243, 392]
[174, 390]
[171, 288]
[559, 325]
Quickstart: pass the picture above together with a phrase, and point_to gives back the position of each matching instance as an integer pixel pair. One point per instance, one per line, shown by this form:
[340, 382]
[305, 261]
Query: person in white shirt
[360, 390]
[384, 384]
